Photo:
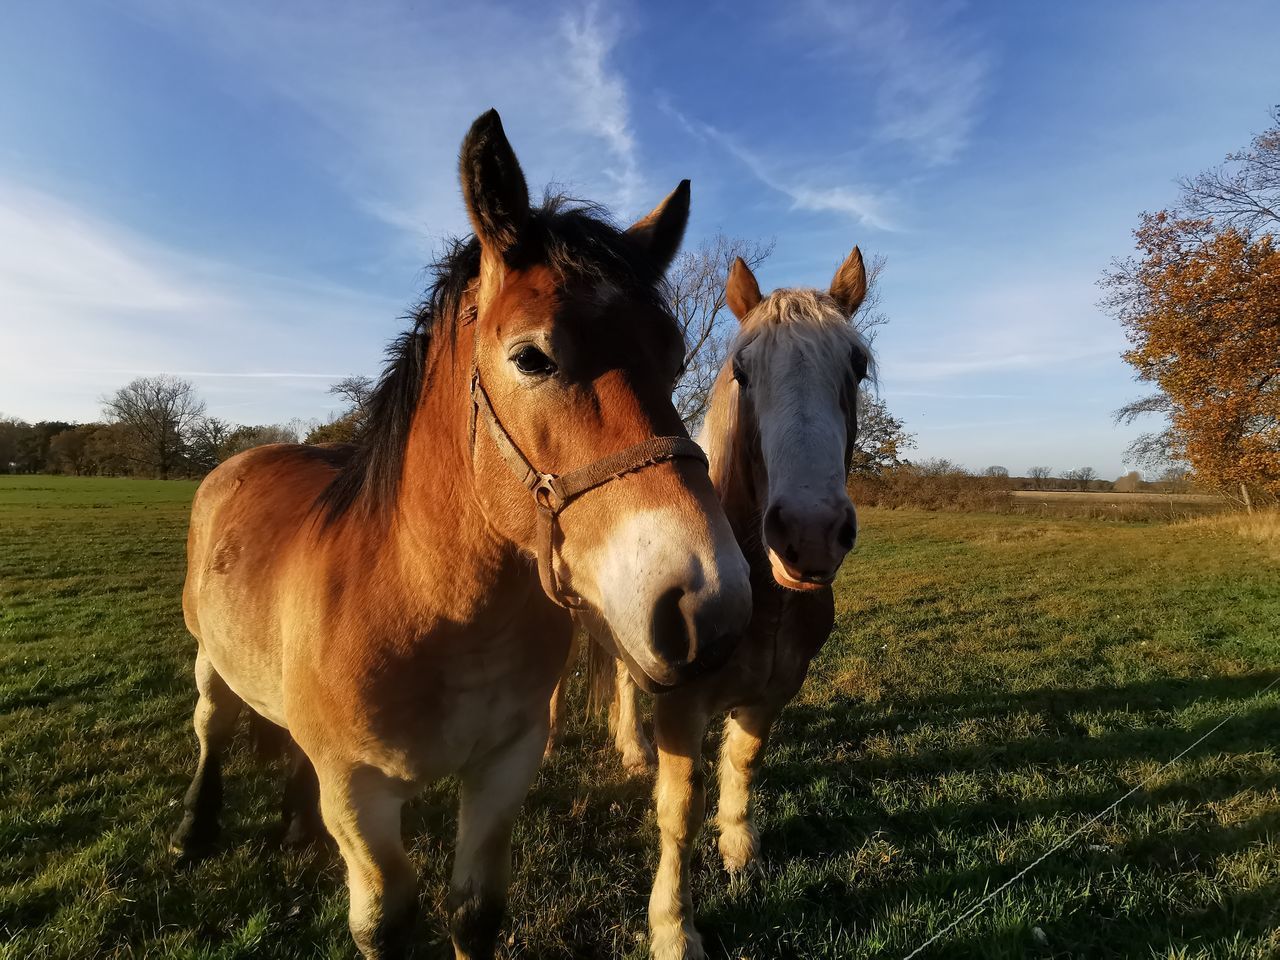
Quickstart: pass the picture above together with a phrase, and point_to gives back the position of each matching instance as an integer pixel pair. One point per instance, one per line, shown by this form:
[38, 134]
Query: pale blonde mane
[811, 320]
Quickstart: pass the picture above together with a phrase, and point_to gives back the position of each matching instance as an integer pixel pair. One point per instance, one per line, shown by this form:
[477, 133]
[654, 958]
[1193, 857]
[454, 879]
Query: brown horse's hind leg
[681, 803]
[490, 798]
[300, 812]
[746, 733]
[361, 809]
[215, 721]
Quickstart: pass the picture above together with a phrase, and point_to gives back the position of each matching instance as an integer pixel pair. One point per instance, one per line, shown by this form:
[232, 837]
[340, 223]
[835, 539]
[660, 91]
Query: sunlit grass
[993, 682]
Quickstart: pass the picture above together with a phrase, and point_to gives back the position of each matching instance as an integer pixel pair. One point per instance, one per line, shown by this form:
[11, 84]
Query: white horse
[779, 433]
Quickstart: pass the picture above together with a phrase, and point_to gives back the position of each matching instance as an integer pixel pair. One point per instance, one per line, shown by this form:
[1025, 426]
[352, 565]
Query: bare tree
[1081, 475]
[160, 413]
[996, 471]
[208, 442]
[696, 282]
[356, 390]
[1039, 475]
[1244, 191]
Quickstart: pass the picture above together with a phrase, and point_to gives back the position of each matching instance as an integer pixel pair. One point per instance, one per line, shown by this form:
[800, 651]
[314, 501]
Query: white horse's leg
[628, 729]
[556, 708]
[746, 733]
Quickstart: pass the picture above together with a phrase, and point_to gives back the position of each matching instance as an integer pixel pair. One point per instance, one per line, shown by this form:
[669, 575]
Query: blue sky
[245, 194]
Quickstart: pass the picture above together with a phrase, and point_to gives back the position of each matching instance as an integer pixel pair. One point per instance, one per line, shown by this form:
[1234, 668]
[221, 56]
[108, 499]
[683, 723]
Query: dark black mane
[575, 239]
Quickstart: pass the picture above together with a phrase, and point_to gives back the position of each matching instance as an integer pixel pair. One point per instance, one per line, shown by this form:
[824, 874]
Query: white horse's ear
[849, 285]
[742, 292]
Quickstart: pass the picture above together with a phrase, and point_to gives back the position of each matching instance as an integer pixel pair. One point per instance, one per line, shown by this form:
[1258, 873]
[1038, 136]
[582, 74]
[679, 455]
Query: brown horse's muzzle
[692, 634]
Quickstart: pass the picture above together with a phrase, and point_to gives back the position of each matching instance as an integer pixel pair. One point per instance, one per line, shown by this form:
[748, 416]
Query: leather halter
[553, 492]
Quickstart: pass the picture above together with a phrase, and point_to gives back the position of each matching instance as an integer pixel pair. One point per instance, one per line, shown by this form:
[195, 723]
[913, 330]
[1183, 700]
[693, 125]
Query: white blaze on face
[684, 555]
[798, 377]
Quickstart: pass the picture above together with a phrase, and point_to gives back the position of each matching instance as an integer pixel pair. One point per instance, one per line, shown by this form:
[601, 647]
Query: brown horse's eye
[532, 362]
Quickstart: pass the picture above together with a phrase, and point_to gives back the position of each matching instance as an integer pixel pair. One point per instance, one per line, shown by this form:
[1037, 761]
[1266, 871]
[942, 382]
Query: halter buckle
[547, 492]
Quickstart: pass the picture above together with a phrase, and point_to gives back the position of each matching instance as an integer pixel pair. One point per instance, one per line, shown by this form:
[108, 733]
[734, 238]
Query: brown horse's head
[577, 352]
[796, 367]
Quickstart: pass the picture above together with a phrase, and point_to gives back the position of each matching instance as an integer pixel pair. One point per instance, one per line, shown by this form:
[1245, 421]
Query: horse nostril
[670, 631]
[792, 554]
[847, 535]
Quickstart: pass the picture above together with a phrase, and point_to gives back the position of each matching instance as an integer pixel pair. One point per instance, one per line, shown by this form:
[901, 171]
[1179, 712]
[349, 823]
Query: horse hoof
[738, 850]
[193, 840]
[682, 943]
[299, 834]
[638, 764]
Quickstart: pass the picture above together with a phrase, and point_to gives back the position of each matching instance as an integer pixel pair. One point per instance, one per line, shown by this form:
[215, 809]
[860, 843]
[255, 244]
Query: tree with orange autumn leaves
[1201, 308]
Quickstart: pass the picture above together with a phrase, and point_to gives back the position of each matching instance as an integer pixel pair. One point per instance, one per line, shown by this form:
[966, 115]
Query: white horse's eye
[739, 374]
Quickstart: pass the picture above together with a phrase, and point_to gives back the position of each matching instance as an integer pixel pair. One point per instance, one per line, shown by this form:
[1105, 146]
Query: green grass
[994, 681]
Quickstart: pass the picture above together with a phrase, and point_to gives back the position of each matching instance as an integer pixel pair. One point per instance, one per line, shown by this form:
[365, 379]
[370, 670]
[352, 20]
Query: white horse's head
[791, 413]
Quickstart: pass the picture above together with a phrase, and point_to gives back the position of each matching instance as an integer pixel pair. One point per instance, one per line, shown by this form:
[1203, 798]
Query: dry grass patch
[1261, 526]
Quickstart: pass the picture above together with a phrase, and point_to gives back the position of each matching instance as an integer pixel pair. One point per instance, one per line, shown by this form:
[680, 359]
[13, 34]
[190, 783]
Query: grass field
[994, 681]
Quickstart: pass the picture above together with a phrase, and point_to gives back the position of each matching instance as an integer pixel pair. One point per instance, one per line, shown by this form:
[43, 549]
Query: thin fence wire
[978, 907]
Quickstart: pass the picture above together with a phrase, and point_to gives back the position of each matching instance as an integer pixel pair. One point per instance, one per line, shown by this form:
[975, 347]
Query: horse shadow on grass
[1190, 871]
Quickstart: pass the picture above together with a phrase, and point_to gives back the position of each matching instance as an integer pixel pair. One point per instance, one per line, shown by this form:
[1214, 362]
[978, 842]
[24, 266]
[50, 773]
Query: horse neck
[442, 541]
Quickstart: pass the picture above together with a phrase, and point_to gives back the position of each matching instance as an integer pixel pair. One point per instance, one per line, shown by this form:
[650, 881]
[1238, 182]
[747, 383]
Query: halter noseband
[553, 492]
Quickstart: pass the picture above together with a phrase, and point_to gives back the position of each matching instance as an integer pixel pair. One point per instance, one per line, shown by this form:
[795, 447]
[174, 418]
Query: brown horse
[779, 432]
[380, 603]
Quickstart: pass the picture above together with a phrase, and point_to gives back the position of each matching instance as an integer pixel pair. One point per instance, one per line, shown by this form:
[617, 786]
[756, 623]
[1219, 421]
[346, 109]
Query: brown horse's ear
[742, 292]
[661, 231]
[493, 185]
[849, 285]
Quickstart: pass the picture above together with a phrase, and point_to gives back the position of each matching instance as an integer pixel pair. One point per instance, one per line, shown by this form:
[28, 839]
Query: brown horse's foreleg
[489, 800]
[628, 729]
[556, 708]
[681, 804]
[361, 809]
[746, 733]
[215, 722]
[300, 811]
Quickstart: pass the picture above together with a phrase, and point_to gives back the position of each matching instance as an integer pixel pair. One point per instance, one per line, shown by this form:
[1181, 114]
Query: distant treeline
[154, 427]
[115, 450]
[944, 485]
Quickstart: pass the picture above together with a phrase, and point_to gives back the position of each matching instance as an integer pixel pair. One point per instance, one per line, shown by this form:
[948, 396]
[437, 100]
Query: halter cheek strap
[552, 492]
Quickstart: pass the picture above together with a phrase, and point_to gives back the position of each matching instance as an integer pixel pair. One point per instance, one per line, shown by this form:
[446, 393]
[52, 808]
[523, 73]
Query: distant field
[1100, 496]
[994, 681]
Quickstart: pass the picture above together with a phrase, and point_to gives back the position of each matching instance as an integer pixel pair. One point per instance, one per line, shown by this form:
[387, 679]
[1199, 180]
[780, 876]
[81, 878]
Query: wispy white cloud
[862, 205]
[601, 95]
[89, 303]
[390, 89]
[54, 254]
[926, 69]
[1040, 323]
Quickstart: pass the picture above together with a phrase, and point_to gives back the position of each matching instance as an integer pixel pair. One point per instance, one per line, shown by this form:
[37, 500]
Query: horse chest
[451, 699]
[787, 631]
